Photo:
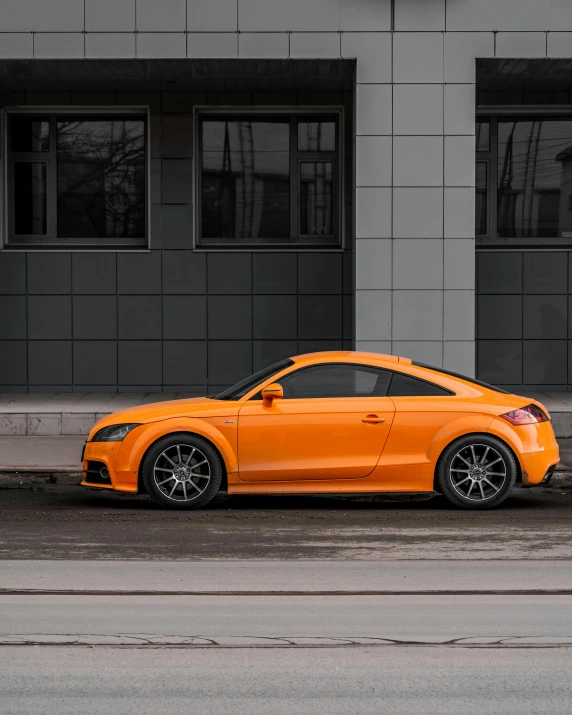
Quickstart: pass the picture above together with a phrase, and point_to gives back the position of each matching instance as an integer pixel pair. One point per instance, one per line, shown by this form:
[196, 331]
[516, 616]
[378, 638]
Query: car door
[332, 423]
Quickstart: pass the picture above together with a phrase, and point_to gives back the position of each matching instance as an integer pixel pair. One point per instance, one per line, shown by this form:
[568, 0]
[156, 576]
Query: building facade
[193, 189]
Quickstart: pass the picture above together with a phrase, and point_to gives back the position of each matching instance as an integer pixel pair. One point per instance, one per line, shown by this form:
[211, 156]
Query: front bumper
[98, 456]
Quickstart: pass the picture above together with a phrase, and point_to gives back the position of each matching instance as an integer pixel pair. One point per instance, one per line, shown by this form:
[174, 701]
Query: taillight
[528, 415]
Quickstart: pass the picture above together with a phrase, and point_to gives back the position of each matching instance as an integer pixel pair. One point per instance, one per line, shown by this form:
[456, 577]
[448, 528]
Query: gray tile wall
[524, 319]
[170, 319]
[414, 125]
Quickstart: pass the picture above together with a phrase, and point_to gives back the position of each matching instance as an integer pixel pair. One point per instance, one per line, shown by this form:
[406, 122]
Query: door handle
[373, 419]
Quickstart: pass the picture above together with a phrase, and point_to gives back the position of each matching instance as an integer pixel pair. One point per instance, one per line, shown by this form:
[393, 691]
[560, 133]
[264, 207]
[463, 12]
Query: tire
[476, 472]
[182, 471]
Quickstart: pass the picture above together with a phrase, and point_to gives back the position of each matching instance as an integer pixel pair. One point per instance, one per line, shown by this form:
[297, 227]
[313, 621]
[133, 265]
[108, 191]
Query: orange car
[329, 423]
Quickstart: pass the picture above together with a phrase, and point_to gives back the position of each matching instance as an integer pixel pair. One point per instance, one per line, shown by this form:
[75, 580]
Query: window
[268, 178]
[336, 381]
[241, 388]
[408, 386]
[77, 179]
[524, 174]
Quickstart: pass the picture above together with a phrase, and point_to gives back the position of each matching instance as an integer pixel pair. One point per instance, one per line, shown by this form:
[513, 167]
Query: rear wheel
[182, 471]
[476, 472]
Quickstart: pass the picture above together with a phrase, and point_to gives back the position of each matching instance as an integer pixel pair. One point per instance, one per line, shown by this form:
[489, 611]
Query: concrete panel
[263, 44]
[374, 109]
[365, 16]
[418, 264]
[499, 318]
[274, 273]
[383, 347]
[17, 15]
[164, 16]
[373, 218]
[105, 45]
[374, 161]
[139, 317]
[212, 44]
[459, 356]
[460, 161]
[274, 317]
[229, 317]
[95, 362]
[16, 45]
[545, 272]
[520, 44]
[459, 103]
[320, 317]
[261, 16]
[559, 44]
[161, 44]
[49, 273]
[110, 15]
[459, 213]
[14, 362]
[429, 352]
[49, 317]
[459, 264]
[13, 424]
[58, 45]
[373, 53]
[221, 370]
[77, 422]
[418, 57]
[177, 136]
[135, 371]
[418, 212]
[177, 175]
[184, 317]
[184, 272]
[94, 317]
[212, 15]
[12, 273]
[373, 314]
[13, 323]
[417, 314]
[418, 161]
[229, 273]
[419, 15]
[499, 273]
[184, 362]
[94, 273]
[320, 273]
[545, 317]
[177, 225]
[315, 44]
[461, 49]
[38, 424]
[418, 109]
[49, 363]
[374, 264]
[139, 273]
[459, 315]
[59, 15]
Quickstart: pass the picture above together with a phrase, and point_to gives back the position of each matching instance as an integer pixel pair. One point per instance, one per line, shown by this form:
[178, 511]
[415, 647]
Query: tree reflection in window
[100, 178]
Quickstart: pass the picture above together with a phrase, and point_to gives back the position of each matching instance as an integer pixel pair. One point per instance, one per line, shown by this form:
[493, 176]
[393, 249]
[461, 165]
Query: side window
[407, 386]
[336, 381]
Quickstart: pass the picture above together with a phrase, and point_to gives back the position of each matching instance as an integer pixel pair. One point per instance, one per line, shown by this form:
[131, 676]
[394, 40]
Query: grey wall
[171, 319]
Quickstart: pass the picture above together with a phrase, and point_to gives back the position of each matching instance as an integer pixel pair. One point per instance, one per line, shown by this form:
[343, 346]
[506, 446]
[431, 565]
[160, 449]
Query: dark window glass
[316, 198]
[407, 386]
[29, 134]
[534, 178]
[316, 135]
[483, 133]
[101, 178]
[481, 185]
[246, 178]
[30, 198]
[241, 388]
[336, 381]
[472, 380]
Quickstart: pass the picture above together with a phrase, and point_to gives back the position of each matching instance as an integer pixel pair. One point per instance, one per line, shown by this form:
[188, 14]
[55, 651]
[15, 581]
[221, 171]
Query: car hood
[157, 411]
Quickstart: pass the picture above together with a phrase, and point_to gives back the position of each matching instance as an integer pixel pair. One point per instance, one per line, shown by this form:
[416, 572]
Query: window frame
[50, 241]
[519, 112]
[295, 241]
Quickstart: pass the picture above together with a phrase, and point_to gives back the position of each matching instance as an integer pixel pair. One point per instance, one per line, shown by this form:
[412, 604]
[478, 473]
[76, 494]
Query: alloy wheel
[478, 472]
[182, 472]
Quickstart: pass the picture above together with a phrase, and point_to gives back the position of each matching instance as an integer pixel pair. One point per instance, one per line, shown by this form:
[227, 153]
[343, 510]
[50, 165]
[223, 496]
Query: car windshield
[241, 388]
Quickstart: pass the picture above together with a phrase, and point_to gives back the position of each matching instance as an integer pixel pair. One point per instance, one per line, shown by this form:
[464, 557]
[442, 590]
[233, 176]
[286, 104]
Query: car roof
[349, 356]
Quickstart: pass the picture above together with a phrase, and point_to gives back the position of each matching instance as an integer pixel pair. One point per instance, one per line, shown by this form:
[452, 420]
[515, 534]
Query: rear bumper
[539, 466]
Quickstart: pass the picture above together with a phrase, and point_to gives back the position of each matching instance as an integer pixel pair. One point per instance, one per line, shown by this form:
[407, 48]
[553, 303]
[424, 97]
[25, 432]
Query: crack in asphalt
[200, 641]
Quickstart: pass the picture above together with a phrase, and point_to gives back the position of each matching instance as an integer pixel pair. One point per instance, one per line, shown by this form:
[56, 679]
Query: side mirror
[270, 393]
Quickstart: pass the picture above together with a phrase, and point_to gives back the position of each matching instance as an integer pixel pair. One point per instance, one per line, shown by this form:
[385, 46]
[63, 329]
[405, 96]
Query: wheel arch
[478, 434]
[140, 482]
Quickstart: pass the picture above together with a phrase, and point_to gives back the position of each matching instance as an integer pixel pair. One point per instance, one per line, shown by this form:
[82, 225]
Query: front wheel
[476, 472]
[182, 471]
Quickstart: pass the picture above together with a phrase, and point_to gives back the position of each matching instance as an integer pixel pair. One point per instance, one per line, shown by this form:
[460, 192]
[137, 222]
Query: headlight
[114, 433]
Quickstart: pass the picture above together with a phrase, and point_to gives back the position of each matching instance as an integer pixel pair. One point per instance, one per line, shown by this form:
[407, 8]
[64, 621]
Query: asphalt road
[220, 654]
[66, 522]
